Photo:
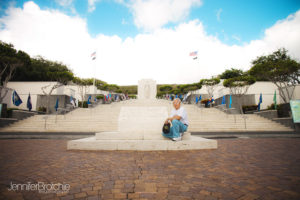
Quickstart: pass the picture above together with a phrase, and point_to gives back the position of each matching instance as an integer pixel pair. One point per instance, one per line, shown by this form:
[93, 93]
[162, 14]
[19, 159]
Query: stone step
[91, 143]
[143, 135]
[105, 117]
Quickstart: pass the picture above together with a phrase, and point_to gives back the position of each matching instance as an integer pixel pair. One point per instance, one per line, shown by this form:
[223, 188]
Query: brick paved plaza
[238, 169]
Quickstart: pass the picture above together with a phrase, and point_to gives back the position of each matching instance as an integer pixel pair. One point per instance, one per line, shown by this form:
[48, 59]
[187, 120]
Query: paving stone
[238, 169]
[67, 197]
[80, 195]
[93, 198]
[120, 196]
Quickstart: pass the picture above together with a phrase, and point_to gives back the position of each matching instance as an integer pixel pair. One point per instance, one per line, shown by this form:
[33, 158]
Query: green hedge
[249, 108]
[100, 97]
[282, 109]
[42, 109]
[85, 105]
[132, 96]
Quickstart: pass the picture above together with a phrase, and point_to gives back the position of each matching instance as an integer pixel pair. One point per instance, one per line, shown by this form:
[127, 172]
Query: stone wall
[248, 99]
[63, 101]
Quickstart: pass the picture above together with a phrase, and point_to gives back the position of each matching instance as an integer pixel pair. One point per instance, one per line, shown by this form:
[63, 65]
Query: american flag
[194, 53]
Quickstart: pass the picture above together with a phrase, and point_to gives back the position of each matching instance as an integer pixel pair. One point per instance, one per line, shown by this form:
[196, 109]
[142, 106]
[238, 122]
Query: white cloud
[153, 14]
[91, 5]
[218, 14]
[124, 22]
[162, 54]
[237, 38]
[64, 3]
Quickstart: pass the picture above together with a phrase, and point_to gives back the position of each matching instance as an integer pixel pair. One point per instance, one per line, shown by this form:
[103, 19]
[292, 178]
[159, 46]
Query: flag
[275, 101]
[16, 99]
[223, 100]
[259, 102]
[29, 105]
[230, 102]
[185, 96]
[93, 55]
[176, 96]
[89, 100]
[200, 98]
[194, 53]
[72, 101]
[196, 100]
[56, 105]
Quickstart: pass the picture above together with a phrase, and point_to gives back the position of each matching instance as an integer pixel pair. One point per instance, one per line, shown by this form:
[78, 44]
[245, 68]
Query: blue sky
[232, 21]
[151, 38]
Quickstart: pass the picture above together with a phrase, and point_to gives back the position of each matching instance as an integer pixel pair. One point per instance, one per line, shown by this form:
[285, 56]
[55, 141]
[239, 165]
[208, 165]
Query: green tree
[231, 73]
[129, 89]
[280, 69]
[82, 85]
[112, 87]
[10, 60]
[239, 86]
[55, 72]
[165, 88]
[210, 85]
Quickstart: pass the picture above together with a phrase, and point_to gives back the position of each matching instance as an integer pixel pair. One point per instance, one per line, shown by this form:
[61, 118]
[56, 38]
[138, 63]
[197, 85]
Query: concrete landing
[146, 135]
[188, 143]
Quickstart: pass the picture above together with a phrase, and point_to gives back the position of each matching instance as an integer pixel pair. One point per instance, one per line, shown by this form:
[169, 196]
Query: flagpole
[94, 73]
[94, 57]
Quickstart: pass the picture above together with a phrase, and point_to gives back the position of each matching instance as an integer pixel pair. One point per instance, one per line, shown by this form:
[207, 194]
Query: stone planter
[3, 110]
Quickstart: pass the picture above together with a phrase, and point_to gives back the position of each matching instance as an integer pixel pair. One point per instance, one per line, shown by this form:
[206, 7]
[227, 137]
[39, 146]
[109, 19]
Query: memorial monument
[146, 89]
[140, 127]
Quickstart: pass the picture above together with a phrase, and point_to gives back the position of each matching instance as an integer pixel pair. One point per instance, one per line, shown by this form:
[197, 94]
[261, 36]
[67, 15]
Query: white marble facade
[146, 89]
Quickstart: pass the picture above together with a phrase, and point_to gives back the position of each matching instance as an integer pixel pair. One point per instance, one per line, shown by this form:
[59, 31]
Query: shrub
[282, 109]
[249, 108]
[42, 109]
[85, 105]
[100, 97]
[132, 96]
[204, 101]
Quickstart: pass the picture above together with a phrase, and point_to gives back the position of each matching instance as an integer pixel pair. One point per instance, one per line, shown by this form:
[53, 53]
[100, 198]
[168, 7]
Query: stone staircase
[214, 120]
[104, 117]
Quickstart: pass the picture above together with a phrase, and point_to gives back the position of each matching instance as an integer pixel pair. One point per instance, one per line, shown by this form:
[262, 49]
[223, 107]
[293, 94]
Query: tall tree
[231, 73]
[10, 60]
[210, 85]
[165, 88]
[82, 85]
[55, 72]
[280, 69]
[239, 86]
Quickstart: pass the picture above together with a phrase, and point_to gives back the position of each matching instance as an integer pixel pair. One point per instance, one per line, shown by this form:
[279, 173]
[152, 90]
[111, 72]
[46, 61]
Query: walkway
[238, 169]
